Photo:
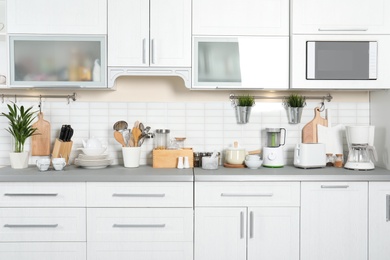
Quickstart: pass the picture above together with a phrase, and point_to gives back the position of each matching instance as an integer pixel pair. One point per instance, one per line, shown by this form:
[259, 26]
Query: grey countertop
[111, 173]
[290, 173]
[148, 173]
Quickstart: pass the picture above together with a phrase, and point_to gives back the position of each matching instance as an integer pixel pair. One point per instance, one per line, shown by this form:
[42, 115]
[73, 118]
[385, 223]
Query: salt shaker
[186, 163]
[180, 164]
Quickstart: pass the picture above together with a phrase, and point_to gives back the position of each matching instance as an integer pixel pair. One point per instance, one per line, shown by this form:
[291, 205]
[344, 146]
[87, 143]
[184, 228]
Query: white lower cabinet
[379, 221]
[334, 220]
[150, 221]
[43, 251]
[264, 226]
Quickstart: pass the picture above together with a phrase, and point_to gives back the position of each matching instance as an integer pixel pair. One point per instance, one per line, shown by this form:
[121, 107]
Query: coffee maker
[273, 153]
[361, 150]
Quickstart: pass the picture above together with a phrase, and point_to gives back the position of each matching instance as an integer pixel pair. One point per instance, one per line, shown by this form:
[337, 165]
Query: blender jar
[274, 137]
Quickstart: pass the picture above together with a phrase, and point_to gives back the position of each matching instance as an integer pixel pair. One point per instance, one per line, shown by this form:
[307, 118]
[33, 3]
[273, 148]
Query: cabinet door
[43, 251]
[128, 33]
[170, 33]
[341, 17]
[334, 220]
[57, 17]
[220, 233]
[273, 233]
[379, 224]
[241, 17]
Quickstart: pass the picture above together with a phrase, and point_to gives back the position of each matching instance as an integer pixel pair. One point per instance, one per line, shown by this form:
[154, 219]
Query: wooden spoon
[136, 135]
[119, 138]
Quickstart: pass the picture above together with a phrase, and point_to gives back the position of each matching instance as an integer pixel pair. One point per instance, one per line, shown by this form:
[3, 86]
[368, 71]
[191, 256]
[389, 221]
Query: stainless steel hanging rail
[323, 98]
[15, 96]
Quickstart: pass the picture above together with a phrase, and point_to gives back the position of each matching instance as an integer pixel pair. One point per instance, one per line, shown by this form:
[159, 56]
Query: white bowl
[93, 151]
[253, 164]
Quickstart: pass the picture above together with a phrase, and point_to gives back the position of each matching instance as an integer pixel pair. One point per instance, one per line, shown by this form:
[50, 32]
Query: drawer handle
[31, 194]
[343, 30]
[247, 194]
[387, 207]
[138, 225]
[334, 186]
[137, 195]
[251, 224]
[31, 225]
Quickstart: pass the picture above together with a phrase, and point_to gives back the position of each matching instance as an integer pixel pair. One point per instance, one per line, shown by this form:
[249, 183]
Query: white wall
[205, 118]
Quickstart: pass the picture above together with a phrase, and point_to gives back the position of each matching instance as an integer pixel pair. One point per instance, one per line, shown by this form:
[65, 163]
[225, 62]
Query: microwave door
[341, 60]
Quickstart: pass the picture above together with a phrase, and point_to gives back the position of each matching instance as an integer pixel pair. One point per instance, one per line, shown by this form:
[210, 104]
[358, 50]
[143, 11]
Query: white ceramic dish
[93, 151]
[253, 164]
[93, 164]
[83, 156]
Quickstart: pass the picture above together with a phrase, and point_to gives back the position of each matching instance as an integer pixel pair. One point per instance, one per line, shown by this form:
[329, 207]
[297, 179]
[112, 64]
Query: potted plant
[294, 104]
[20, 127]
[243, 108]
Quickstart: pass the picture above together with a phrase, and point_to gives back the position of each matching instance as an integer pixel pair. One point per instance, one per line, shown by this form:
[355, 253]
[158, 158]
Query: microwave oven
[341, 60]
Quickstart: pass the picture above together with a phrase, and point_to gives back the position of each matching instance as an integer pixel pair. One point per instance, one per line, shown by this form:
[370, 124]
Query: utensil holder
[62, 149]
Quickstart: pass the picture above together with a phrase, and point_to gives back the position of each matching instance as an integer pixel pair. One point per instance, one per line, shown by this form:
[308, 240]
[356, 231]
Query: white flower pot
[19, 160]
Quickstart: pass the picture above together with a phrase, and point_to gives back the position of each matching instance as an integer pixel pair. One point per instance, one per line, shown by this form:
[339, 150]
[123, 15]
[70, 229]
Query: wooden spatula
[309, 131]
[119, 137]
[40, 142]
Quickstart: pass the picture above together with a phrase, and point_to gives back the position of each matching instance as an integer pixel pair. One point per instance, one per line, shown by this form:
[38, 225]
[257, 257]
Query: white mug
[43, 164]
[58, 163]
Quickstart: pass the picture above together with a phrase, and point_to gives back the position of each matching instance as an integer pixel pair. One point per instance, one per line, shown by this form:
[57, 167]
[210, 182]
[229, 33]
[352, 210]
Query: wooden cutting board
[309, 131]
[40, 142]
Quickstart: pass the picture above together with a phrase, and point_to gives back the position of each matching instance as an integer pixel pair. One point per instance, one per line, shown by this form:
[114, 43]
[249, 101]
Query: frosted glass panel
[218, 62]
[57, 60]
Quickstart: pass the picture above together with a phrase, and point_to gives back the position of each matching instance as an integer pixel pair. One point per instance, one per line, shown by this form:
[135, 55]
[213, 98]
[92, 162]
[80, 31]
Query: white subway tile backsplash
[207, 126]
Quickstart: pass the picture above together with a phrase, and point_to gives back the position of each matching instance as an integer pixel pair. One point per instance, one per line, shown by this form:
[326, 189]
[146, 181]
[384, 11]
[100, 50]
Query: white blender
[273, 152]
[360, 143]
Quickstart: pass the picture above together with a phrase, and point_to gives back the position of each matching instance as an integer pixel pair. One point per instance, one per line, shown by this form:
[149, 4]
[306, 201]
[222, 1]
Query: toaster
[310, 155]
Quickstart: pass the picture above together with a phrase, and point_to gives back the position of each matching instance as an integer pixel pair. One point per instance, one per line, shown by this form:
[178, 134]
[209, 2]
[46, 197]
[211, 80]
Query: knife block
[62, 149]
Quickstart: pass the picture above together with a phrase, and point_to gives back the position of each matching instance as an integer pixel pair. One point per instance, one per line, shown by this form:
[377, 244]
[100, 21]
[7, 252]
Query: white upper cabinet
[341, 17]
[145, 33]
[57, 16]
[241, 17]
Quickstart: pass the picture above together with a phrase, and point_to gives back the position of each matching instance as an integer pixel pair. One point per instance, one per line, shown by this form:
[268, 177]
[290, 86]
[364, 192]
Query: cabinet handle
[251, 224]
[387, 208]
[247, 194]
[342, 30]
[31, 225]
[138, 195]
[31, 194]
[334, 186]
[153, 43]
[138, 225]
[241, 224]
[144, 51]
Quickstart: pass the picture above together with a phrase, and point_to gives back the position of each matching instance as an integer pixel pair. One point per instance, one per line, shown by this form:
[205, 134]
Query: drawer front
[247, 194]
[43, 251]
[139, 194]
[42, 224]
[42, 194]
[142, 224]
[140, 251]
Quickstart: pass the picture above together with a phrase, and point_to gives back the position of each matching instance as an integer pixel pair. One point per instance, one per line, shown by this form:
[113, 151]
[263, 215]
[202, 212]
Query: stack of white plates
[93, 161]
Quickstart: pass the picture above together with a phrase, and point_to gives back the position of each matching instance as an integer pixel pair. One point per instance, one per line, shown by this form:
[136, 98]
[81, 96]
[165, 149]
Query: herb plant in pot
[20, 127]
[243, 108]
[294, 104]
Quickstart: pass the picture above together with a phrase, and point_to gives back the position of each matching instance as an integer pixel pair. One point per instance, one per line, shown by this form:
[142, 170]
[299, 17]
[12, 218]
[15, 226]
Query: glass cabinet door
[45, 61]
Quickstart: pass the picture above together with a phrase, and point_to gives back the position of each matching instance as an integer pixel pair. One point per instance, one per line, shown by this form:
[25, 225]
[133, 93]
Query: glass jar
[339, 161]
[329, 159]
[196, 159]
[161, 139]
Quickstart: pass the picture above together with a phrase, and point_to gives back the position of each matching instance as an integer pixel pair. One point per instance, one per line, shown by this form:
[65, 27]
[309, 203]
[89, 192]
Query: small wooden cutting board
[40, 141]
[309, 131]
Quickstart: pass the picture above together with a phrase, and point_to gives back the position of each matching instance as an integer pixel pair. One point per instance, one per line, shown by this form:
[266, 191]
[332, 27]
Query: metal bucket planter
[243, 114]
[294, 114]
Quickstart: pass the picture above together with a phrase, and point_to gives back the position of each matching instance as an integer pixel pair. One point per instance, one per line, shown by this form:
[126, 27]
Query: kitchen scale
[273, 153]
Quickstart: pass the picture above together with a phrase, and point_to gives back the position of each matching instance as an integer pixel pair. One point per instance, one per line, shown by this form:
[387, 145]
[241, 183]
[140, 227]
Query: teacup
[252, 157]
[58, 163]
[43, 164]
